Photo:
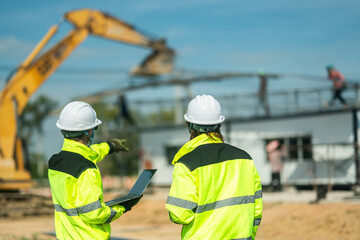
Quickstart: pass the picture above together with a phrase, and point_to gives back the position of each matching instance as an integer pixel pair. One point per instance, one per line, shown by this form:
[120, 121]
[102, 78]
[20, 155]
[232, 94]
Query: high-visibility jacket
[77, 193]
[216, 191]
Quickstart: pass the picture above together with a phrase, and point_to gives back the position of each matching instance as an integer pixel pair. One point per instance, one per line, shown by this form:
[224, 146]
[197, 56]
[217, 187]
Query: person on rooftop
[339, 85]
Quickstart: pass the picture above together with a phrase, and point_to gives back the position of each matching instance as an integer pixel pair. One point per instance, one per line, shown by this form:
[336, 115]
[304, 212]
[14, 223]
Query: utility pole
[356, 152]
[178, 105]
[179, 108]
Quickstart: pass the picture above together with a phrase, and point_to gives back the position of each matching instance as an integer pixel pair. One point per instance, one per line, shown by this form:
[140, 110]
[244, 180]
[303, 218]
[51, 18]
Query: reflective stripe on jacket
[216, 191]
[77, 193]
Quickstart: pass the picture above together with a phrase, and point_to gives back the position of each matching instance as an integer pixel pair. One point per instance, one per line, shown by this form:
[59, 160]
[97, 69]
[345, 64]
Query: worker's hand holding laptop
[130, 203]
[136, 192]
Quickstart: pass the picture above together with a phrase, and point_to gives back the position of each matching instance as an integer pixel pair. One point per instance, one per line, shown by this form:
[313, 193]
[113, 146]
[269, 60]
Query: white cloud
[14, 48]
[177, 32]
[149, 6]
[187, 51]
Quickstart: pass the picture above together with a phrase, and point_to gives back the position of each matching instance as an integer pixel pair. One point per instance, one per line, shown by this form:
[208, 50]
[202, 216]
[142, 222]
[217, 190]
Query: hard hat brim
[191, 120]
[97, 123]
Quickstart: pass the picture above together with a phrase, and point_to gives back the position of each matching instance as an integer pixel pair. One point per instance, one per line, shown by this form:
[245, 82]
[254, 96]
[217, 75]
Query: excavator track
[15, 205]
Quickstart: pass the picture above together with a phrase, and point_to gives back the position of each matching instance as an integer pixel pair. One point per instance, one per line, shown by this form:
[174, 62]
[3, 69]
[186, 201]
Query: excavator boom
[160, 61]
[35, 70]
[103, 25]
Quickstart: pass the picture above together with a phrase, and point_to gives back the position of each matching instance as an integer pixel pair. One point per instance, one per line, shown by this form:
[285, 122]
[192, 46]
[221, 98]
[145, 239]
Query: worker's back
[217, 191]
[76, 188]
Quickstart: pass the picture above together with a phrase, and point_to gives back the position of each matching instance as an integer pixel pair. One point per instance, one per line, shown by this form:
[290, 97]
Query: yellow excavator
[29, 76]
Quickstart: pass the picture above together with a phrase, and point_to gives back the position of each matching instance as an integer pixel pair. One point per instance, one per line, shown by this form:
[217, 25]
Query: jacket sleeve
[102, 149]
[182, 200]
[89, 200]
[258, 203]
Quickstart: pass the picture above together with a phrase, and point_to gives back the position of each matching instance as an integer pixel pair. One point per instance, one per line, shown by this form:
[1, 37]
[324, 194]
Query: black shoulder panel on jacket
[212, 153]
[70, 163]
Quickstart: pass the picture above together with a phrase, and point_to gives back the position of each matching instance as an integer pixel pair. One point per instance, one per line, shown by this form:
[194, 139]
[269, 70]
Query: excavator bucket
[160, 61]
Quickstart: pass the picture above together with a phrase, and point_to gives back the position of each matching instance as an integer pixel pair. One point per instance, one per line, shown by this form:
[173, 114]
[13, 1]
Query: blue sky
[208, 35]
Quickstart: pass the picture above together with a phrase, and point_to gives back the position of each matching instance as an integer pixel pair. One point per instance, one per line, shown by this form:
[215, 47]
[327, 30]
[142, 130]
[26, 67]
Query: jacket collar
[79, 148]
[194, 143]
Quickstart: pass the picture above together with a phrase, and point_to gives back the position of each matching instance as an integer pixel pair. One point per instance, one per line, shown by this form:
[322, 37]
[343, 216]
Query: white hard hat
[204, 110]
[77, 116]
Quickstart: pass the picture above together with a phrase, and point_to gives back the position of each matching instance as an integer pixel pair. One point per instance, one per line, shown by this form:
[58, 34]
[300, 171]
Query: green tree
[30, 122]
[124, 163]
[33, 116]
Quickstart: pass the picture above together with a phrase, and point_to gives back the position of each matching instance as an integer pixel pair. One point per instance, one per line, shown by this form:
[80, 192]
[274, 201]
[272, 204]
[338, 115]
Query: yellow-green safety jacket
[77, 192]
[216, 191]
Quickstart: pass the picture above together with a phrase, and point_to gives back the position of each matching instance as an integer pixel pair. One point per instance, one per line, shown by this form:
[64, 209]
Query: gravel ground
[287, 216]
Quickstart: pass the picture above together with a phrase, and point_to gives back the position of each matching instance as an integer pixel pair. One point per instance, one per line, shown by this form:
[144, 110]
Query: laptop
[137, 190]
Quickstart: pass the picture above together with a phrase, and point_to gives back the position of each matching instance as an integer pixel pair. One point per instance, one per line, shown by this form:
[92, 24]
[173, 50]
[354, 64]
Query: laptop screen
[142, 182]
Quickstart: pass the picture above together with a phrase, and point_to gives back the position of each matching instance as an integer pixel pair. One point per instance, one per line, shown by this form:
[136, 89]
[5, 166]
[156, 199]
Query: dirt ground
[149, 220]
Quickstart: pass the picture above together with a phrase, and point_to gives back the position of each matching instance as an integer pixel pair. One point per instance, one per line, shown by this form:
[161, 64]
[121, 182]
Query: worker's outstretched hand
[119, 145]
[129, 204]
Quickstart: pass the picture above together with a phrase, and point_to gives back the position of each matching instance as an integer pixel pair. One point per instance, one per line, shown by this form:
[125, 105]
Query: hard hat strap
[203, 128]
[71, 134]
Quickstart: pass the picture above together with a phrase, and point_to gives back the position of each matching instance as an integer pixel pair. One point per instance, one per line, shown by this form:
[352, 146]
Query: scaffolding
[247, 106]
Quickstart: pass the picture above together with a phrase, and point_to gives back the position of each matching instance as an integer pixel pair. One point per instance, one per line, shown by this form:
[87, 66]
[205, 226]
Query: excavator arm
[35, 70]
[158, 62]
